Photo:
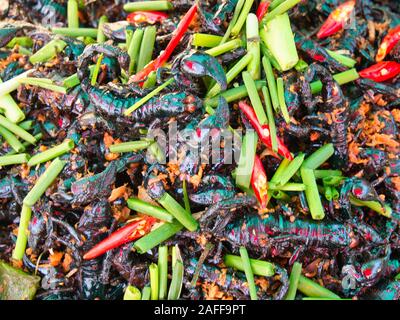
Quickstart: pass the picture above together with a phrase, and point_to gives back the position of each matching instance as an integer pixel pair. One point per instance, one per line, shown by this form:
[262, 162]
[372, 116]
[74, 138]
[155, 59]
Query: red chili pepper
[262, 10]
[263, 130]
[146, 16]
[336, 19]
[388, 42]
[381, 71]
[127, 233]
[164, 56]
[259, 182]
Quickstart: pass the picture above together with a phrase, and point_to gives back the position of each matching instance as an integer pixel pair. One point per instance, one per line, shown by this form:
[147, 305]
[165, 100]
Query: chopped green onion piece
[16, 130]
[232, 23]
[242, 17]
[280, 9]
[313, 289]
[291, 186]
[163, 271]
[253, 46]
[134, 49]
[206, 40]
[254, 97]
[290, 170]
[44, 181]
[148, 97]
[43, 84]
[186, 197]
[278, 37]
[344, 60]
[301, 65]
[76, 32]
[132, 293]
[129, 146]
[149, 209]
[341, 78]
[48, 51]
[12, 84]
[312, 194]
[280, 195]
[24, 144]
[52, 153]
[21, 41]
[231, 74]
[12, 140]
[320, 174]
[246, 160]
[72, 14]
[10, 108]
[26, 125]
[147, 47]
[151, 80]
[333, 181]
[225, 47]
[249, 273]
[271, 120]
[274, 4]
[73, 79]
[14, 159]
[179, 213]
[259, 267]
[177, 276]
[373, 205]
[318, 157]
[293, 281]
[266, 53]
[148, 6]
[146, 292]
[281, 96]
[233, 94]
[96, 70]
[22, 238]
[101, 37]
[153, 268]
[271, 82]
[155, 150]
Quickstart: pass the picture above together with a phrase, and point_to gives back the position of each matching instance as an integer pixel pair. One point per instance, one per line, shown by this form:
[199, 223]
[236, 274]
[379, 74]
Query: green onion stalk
[236, 13]
[10, 108]
[206, 40]
[72, 14]
[271, 83]
[76, 32]
[96, 70]
[254, 97]
[294, 281]
[341, 78]
[281, 97]
[12, 140]
[386, 210]
[132, 293]
[14, 159]
[43, 83]
[52, 153]
[246, 160]
[344, 60]
[179, 213]
[26, 125]
[15, 129]
[154, 284]
[231, 74]
[278, 37]
[157, 236]
[312, 194]
[134, 49]
[130, 146]
[22, 238]
[149, 209]
[146, 293]
[313, 289]
[148, 6]
[12, 84]
[73, 80]
[225, 47]
[320, 156]
[146, 47]
[290, 170]
[163, 271]
[253, 46]
[282, 8]
[24, 144]
[242, 18]
[271, 119]
[175, 287]
[101, 37]
[249, 272]
[44, 181]
[48, 51]
[259, 267]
